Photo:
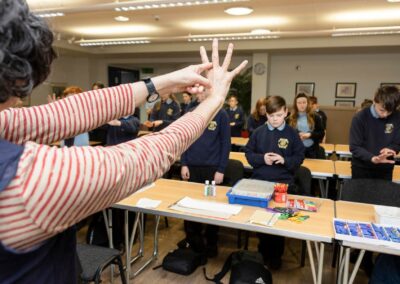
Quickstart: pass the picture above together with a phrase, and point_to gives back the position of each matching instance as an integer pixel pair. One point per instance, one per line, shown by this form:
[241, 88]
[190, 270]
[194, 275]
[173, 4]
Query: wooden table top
[329, 148]
[239, 141]
[91, 143]
[318, 168]
[343, 149]
[317, 228]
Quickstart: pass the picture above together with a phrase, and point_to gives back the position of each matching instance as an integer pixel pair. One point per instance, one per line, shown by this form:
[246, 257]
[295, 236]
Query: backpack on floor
[246, 268]
[183, 261]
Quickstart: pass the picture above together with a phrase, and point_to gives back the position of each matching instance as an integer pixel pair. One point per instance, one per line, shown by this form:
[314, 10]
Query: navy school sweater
[213, 146]
[285, 142]
[169, 112]
[368, 135]
[236, 116]
[253, 124]
[128, 130]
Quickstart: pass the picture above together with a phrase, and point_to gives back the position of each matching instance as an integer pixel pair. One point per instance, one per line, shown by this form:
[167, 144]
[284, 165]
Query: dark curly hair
[26, 51]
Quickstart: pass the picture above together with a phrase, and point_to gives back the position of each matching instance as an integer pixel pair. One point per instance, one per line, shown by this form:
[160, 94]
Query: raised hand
[219, 76]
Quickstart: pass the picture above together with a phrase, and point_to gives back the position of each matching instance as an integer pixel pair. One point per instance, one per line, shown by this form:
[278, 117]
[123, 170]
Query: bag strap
[217, 277]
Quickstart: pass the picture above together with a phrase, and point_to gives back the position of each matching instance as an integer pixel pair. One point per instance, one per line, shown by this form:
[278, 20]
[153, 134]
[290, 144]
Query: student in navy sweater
[122, 130]
[236, 117]
[207, 159]
[308, 125]
[375, 136]
[164, 112]
[275, 152]
[258, 117]
[186, 104]
[374, 140]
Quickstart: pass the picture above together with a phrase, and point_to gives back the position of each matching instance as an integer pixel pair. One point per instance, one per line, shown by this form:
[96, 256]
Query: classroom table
[239, 141]
[329, 148]
[343, 171]
[91, 143]
[144, 132]
[320, 169]
[356, 212]
[343, 151]
[316, 229]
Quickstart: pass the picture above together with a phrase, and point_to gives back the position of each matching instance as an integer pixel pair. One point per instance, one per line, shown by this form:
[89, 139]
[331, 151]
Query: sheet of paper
[213, 214]
[146, 187]
[264, 218]
[148, 203]
[209, 206]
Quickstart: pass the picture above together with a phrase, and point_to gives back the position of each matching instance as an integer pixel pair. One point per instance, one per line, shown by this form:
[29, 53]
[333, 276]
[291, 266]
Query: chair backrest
[234, 171]
[372, 191]
[321, 153]
[302, 180]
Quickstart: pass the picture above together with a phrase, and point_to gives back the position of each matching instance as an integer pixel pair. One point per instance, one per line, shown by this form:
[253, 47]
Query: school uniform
[368, 135]
[185, 108]
[168, 112]
[253, 124]
[208, 155]
[128, 130]
[317, 134]
[284, 141]
[79, 140]
[236, 115]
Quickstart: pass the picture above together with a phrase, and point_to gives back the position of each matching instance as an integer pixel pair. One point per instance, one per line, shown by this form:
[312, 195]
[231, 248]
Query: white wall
[367, 70]
[66, 70]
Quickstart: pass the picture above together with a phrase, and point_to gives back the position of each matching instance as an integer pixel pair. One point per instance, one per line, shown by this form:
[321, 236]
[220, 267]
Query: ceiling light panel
[237, 23]
[95, 43]
[239, 11]
[114, 30]
[50, 15]
[142, 5]
[365, 16]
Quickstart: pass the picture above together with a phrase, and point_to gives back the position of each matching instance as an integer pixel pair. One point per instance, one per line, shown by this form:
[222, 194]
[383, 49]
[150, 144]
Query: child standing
[236, 117]
[275, 152]
[207, 159]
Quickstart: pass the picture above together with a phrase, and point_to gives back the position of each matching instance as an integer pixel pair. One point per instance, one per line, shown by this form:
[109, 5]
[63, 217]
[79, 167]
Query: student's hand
[232, 124]
[219, 77]
[304, 135]
[387, 152]
[157, 123]
[185, 174]
[382, 159]
[277, 159]
[269, 158]
[51, 98]
[218, 177]
[114, 122]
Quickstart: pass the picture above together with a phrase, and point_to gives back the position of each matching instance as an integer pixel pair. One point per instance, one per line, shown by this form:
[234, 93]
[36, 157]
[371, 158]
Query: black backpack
[183, 260]
[246, 268]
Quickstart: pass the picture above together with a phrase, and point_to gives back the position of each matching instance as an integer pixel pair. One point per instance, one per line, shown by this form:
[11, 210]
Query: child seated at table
[275, 152]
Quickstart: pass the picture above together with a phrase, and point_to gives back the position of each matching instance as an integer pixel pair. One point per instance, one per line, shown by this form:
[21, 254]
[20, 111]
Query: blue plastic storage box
[247, 200]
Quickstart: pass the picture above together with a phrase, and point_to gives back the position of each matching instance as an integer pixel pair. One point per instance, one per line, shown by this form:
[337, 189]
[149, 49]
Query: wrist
[162, 84]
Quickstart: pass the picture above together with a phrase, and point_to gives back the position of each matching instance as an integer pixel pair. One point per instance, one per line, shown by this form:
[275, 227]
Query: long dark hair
[26, 51]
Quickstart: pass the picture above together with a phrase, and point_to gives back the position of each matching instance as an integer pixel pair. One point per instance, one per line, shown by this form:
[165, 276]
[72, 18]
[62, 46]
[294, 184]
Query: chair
[94, 259]
[371, 191]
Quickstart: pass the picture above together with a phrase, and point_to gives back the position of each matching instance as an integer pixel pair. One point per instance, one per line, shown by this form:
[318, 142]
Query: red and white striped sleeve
[55, 188]
[68, 117]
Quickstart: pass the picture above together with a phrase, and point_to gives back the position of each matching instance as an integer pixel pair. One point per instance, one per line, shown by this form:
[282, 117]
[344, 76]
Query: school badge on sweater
[212, 126]
[170, 111]
[389, 128]
[283, 143]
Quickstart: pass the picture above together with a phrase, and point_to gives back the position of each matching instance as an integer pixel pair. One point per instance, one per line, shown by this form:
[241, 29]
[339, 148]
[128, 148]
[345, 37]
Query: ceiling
[94, 20]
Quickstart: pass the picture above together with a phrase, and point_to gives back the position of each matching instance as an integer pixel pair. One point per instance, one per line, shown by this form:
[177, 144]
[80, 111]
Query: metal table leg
[317, 275]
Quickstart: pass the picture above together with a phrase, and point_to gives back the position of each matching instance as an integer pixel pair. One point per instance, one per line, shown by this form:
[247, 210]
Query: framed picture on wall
[343, 103]
[397, 85]
[346, 90]
[307, 88]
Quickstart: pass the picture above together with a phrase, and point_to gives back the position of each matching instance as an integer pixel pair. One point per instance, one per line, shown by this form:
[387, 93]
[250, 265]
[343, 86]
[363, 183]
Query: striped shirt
[55, 188]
